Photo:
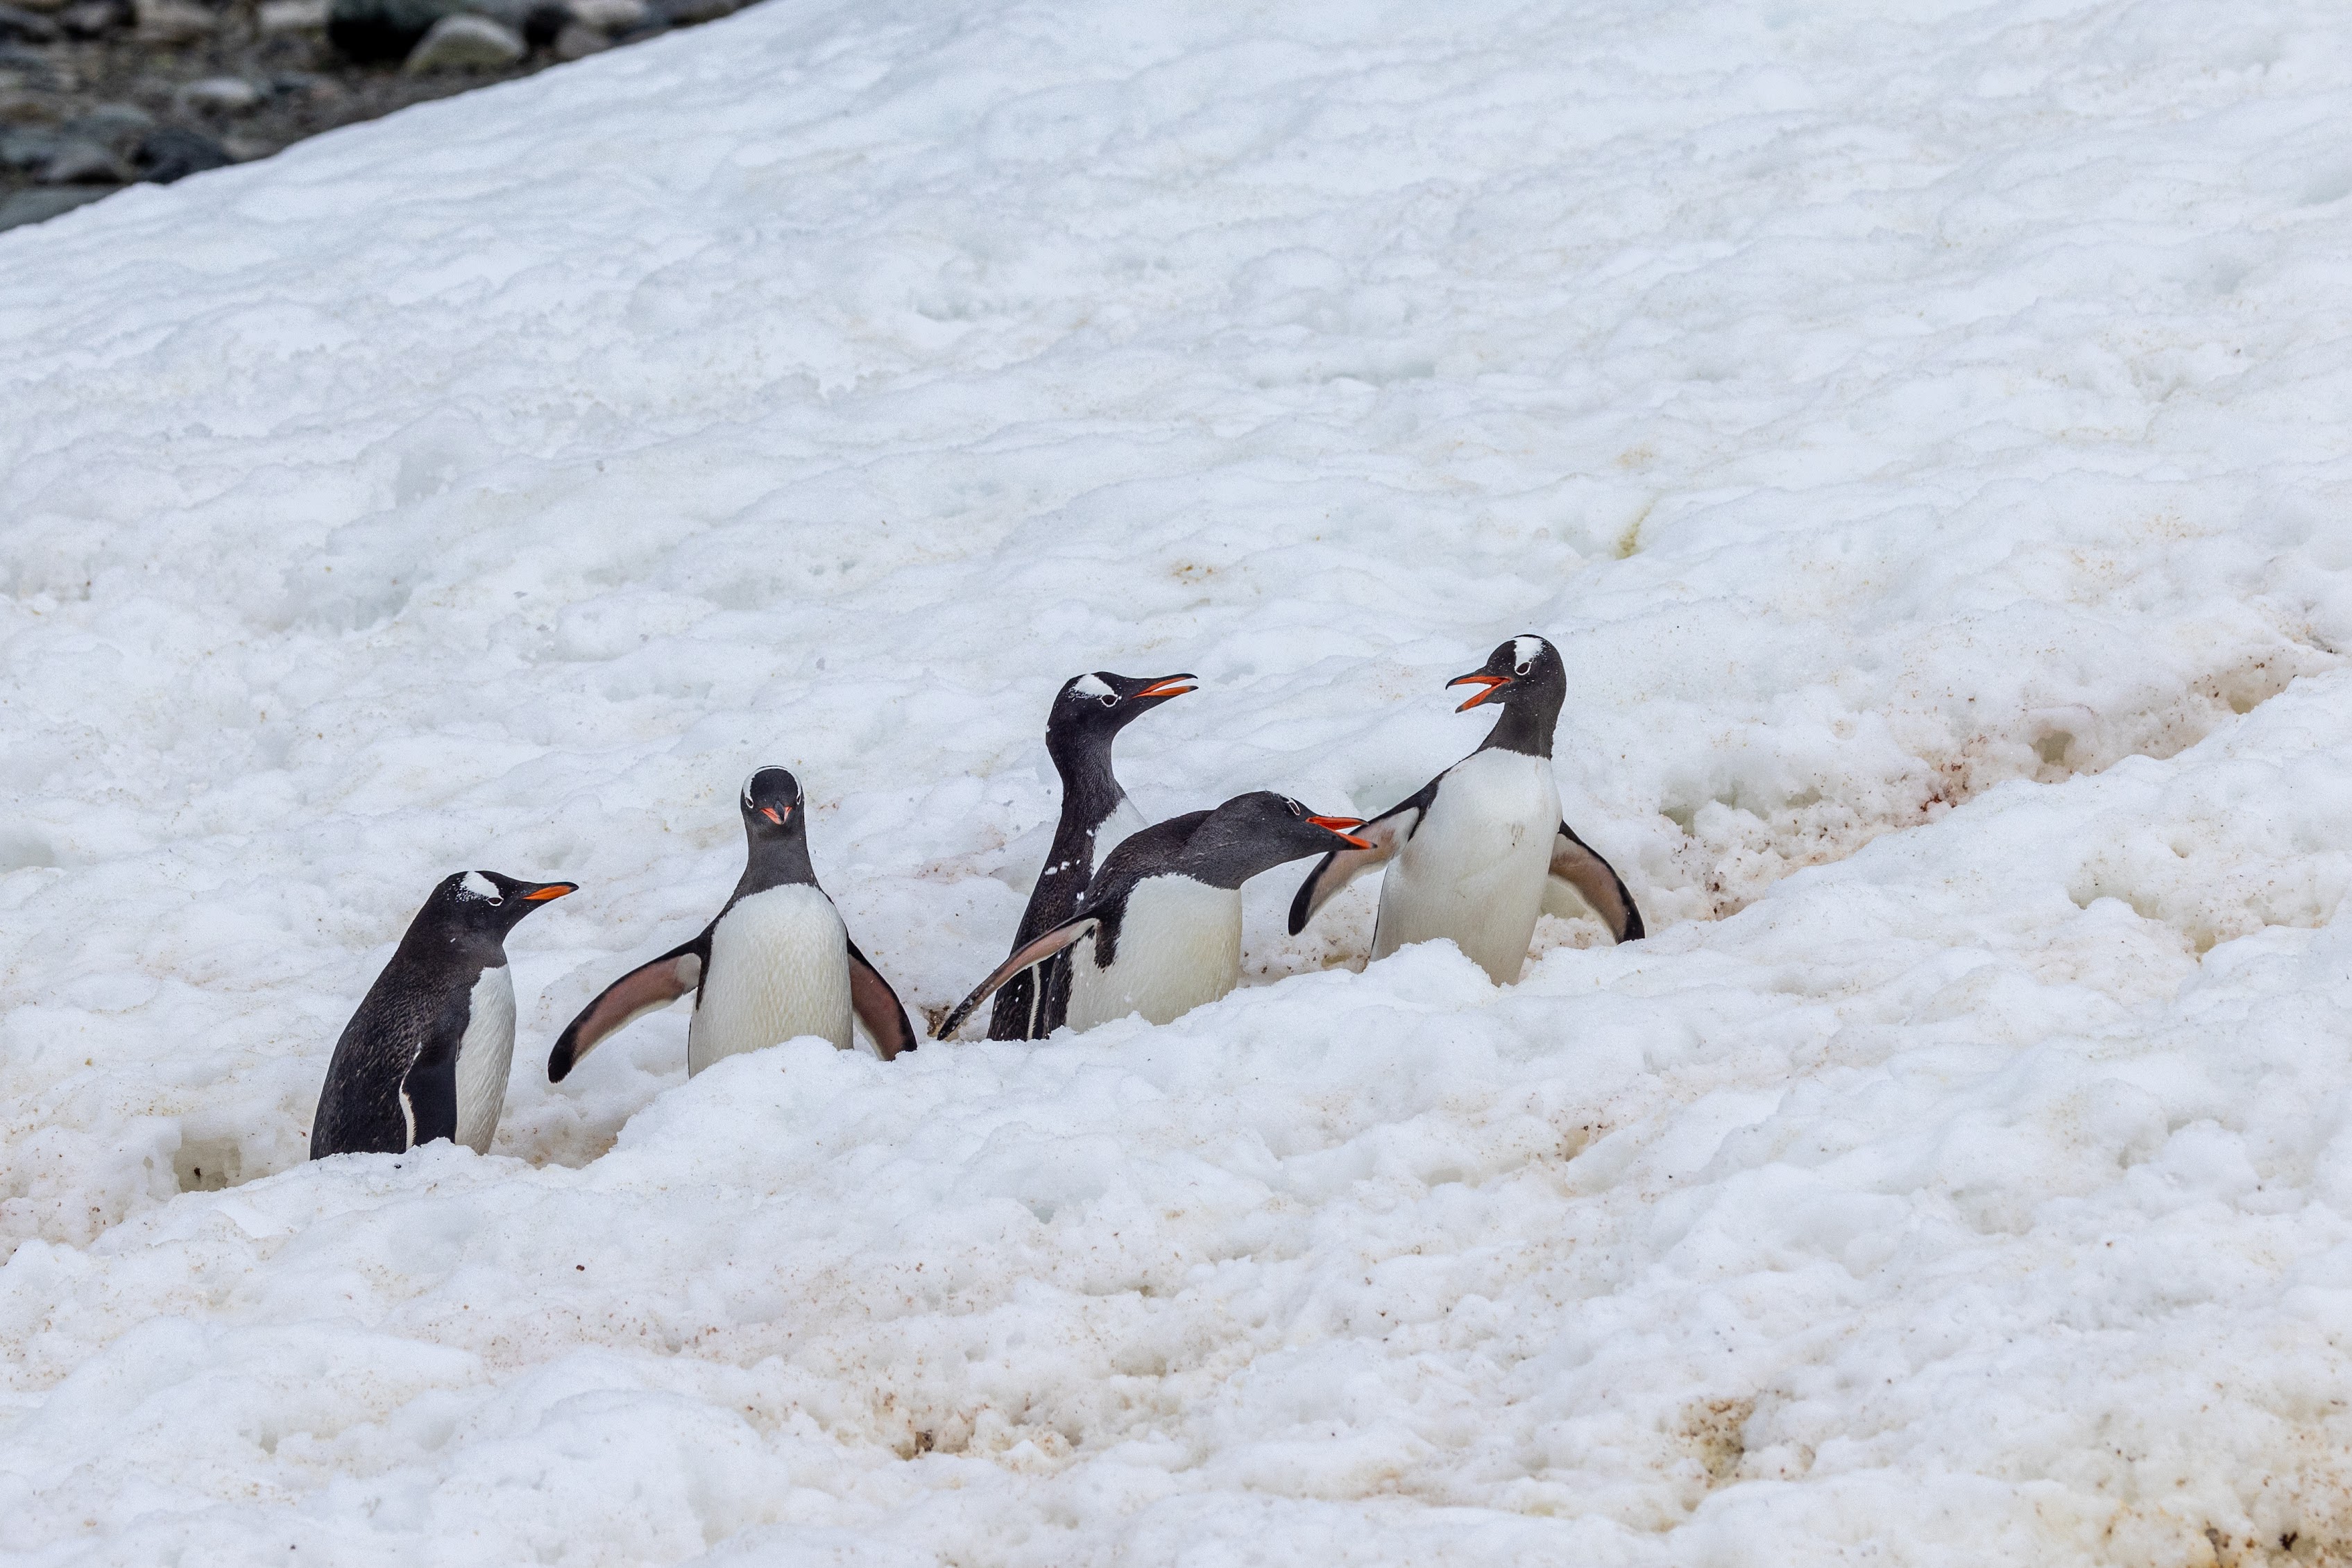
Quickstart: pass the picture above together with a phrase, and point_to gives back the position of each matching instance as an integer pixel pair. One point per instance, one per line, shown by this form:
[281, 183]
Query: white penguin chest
[1474, 870]
[485, 1052]
[779, 969]
[1180, 945]
[1123, 823]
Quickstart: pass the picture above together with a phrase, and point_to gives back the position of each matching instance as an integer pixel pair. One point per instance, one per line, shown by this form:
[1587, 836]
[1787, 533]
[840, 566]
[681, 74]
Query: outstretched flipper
[1386, 834]
[428, 1091]
[877, 1006]
[642, 990]
[1036, 951]
[1575, 866]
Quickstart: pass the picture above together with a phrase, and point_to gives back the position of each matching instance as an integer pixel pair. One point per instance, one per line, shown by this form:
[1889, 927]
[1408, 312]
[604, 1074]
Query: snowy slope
[1924, 439]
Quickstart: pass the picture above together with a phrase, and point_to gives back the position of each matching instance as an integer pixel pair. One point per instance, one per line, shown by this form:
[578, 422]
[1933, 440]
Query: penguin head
[1094, 708]
[1524, 670]
[484, 904]
[1258, 831]
[772, 806]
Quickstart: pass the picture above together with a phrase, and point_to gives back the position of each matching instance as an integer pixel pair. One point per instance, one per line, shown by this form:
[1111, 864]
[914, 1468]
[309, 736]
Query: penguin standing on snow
[775, 963]
[1096, 817]
[1480, 850]
[1165, 912]
[425, 1055]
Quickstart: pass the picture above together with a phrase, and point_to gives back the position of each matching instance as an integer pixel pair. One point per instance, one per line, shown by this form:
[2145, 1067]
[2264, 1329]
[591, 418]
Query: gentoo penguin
[1481, 849]
[1166, 911]
[1096, 817]
[425, 1055]
[776, 963]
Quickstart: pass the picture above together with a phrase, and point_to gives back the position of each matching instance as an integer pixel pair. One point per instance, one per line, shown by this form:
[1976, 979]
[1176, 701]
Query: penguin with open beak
[1479, 851]
[1096, 817]
[1164, 915]
[774, 964]
[425, 1055]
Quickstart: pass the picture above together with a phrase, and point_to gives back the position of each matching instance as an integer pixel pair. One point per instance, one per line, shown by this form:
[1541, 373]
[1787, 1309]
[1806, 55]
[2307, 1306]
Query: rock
[218, 95]
[613, 17]
[465, 43]
[40, 206]
[31, 69]
[309, 89]
[173, 21]
[42, 4]
[114, 126]
[93, 18]
[171, 153]
[277, 16]
[578, 41]
[690, 12]
[78, 163]
[24, 28]
[390, 30]
[28, 147]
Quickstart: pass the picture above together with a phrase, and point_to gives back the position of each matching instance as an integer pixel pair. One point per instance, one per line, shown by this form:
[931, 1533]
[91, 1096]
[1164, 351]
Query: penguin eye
[1295, 809]
[1527, 667]
[1109, 701]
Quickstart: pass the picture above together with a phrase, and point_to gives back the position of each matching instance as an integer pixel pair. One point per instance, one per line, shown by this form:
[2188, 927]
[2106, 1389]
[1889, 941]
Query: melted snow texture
[1922, 439]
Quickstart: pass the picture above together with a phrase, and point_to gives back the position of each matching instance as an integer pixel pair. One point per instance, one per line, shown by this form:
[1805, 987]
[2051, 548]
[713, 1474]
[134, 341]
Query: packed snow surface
[1923, 430]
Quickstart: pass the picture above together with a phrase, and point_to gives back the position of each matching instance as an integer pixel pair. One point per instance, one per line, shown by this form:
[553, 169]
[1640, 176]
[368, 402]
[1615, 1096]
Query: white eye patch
[477, 885]
[1092, 686]
[1524, 649]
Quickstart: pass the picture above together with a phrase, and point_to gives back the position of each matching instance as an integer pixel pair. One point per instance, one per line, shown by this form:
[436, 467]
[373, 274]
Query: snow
[1921, 434]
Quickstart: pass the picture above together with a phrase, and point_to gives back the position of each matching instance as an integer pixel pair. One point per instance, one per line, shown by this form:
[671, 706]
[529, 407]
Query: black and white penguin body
[426, 1055]
[1479, 851]
[1165, 913]
[1096, 817]
[775, 964]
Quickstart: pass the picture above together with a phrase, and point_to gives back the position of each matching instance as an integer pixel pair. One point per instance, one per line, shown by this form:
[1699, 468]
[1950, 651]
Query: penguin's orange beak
[1340, 825]
[1169, 686]
[1493, 683]
[552, 891]
[773, 814]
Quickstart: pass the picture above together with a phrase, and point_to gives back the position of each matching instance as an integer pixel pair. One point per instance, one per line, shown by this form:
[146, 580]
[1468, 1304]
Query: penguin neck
[1526, 726]
[433, 943]
[1090, 792]
[776, 861]
[1224, 854]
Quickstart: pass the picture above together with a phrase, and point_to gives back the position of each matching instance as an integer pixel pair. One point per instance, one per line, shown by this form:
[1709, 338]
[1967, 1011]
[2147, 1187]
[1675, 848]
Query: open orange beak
[552, 890]
[1340, 825]
[1167, 686]
[1493, 683]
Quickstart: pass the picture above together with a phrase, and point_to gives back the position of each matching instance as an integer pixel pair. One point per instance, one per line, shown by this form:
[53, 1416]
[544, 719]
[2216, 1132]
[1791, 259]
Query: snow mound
[1922, 439]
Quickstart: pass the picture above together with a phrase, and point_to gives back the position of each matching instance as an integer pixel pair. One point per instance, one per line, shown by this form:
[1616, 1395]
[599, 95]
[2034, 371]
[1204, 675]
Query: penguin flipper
[428, 1091]
[1035, 951]
[877, 1006]
[642, 990]
[1576, 867]
[1385, 834]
